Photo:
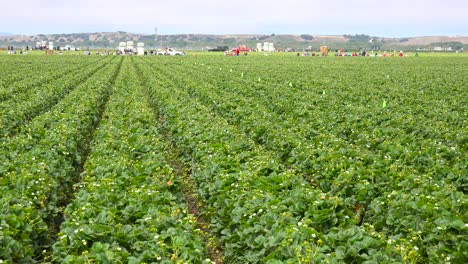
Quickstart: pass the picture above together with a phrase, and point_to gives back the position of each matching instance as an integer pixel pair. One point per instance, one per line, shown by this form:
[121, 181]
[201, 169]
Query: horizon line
[8, 34]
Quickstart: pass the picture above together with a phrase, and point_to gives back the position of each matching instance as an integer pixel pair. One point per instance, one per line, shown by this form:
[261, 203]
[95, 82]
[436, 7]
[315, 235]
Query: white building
[122, 46]
[130, 46]
[271, 47]
[141, 48]
[268, 47]
[259, 47]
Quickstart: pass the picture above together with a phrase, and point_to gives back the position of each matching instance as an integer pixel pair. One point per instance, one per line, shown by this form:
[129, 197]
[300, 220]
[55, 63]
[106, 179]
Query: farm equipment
[242, 48]
[324, 50]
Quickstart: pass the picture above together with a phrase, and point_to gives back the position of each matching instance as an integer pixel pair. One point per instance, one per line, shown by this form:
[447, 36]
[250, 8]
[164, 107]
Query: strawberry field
[251, 159]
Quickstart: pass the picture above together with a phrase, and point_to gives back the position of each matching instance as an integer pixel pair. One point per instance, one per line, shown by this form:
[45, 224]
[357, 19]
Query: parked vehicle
[241, 48]
[170, 51]
[219, 48]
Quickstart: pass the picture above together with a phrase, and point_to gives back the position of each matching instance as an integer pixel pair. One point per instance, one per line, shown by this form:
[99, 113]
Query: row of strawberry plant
[261, 211]
[130, 208]
[347, 116]
[20, 109]
[238, 114]
[444, 129]
[35, 77]
[347, 113]
[355, 95]
[39, 166]
[342, 169]
[15, 68]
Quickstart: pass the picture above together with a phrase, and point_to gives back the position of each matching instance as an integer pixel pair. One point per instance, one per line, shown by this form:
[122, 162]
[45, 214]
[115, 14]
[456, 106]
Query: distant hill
[203, 41]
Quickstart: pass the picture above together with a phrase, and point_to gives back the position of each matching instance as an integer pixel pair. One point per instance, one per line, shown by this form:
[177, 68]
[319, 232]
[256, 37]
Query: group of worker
[235, 52]
[367, 54]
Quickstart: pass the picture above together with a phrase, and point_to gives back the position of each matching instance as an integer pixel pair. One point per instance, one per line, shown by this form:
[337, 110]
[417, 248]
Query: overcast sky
[395, 18]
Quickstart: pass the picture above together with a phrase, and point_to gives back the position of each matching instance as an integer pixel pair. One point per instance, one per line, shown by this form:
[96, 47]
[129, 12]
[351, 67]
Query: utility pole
[155, 37]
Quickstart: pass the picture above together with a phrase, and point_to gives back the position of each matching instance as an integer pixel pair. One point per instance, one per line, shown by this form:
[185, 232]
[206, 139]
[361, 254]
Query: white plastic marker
[384, 103]
[259, 79]
[242, 75]
[290, 84]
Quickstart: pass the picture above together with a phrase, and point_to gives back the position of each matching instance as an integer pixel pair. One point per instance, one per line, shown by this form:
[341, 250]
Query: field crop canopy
[249, 159]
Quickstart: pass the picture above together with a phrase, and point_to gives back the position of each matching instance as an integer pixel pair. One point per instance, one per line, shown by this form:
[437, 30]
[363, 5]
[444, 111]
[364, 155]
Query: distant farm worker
[401, 53]
[385, 54]
[237, 51]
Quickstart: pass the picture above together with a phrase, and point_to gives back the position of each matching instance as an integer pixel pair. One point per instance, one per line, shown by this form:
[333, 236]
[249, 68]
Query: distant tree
[358, 38]
[105, 43]
[194, 38]
[210, 39]
[229, 40]
[307, 37]
[375, 44]
[453, 44]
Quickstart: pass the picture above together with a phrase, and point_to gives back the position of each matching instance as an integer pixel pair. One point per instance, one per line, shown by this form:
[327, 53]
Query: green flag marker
[384, 103]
